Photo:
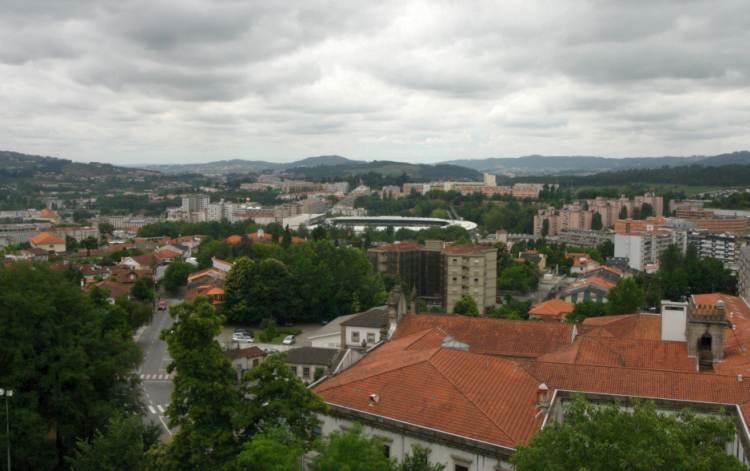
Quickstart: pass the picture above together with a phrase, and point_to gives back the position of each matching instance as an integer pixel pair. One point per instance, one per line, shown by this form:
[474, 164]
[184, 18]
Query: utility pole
[7, 394]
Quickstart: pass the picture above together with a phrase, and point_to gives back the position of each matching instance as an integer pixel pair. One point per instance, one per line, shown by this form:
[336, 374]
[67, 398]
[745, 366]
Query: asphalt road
[156, 383]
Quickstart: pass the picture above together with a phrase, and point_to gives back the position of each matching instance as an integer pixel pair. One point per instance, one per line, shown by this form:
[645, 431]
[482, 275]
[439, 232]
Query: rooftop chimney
[542, 396]
[674, 321]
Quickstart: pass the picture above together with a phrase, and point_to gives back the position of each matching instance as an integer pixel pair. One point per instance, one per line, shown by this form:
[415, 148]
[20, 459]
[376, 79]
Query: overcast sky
[197, 80]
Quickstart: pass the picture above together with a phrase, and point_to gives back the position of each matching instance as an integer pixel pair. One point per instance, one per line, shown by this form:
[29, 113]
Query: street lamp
[7, 394]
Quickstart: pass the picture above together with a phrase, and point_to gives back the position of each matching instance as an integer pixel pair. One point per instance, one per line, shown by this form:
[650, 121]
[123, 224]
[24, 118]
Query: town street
[157, 383]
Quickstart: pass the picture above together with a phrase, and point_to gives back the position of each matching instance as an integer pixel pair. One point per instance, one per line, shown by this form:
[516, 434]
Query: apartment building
[583, 238]
[419, 267]
[743, 273]
[469, 270]
[723, 247]
[642, 249]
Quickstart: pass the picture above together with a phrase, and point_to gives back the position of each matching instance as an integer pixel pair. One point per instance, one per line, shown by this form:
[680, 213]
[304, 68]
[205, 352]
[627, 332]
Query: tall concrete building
[643, 249]
[723, 247]
[419, 267]
[469, 270]
[195, 203]
[743, 273]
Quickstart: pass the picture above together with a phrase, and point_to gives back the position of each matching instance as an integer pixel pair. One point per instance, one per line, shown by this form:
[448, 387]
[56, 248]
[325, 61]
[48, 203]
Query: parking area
[307, 330]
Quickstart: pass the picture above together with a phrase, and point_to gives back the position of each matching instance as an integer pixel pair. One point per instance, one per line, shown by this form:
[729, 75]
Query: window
[294, 370]
[306, 371]
[370, 337]
[256, 362]
[387, 451]
[355, 337]
[460, 467]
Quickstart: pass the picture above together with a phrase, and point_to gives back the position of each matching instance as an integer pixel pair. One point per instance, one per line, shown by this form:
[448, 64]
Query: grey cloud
[405, 78]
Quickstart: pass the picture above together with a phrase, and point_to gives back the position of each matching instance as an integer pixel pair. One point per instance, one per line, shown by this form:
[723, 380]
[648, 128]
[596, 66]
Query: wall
[363, 331]
[401, 444]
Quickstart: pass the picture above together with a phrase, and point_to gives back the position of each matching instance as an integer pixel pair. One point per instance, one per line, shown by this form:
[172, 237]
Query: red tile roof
[630, 326]
[521, 339]
[467, 249]
[46, 238]
[249, 352]
[233, 239]
[167, 253]
[648, 354]
[446, 389]
[556, 308]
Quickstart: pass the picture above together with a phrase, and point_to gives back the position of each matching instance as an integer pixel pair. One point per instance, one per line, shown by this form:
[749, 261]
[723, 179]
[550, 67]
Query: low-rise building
[245, 359]
[312, 363]
[553, 310]
[365, 329]
[48, 241]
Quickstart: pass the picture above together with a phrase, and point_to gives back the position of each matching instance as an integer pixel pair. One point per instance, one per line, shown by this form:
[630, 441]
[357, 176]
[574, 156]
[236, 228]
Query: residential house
[312, 363]
[587, 289]
[48, 241]
[221, 265]
[167, 255]
[245, 359]
[207, 276]
[553, 310]
[365, 329]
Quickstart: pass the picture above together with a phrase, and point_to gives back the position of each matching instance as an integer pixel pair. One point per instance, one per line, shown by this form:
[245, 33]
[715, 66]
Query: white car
[288, 340]
[242, 337]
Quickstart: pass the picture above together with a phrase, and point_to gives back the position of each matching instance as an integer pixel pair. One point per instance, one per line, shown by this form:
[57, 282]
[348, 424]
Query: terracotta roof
[466, 249]
[403, 245]
[212, 272]
[554, 307]
[642, 382]
[648, 354]
[215, 291]
[233, 239]
[46, 238]
[501, 337]
[249, 352]
[48, 214]
[167, 253]
[116, 290]
[475, 396]
[629, 326]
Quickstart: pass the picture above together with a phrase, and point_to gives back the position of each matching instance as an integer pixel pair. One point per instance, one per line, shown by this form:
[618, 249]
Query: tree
[612, 438]
[466, 306]
[606, 249]
[626, 297]
[545, 228]
[106, 228]
[123, 445]
[623, 212]
[143, 290]
[205, 396]
[587, 308]
[646, 210]
[71, 244]
[418, 460]
[175, 276]
[351, 451]
[69, 359]
[286, 241]
[596, 222]
[89, 243]
[520, 277]
[272, 450]
[278, 399]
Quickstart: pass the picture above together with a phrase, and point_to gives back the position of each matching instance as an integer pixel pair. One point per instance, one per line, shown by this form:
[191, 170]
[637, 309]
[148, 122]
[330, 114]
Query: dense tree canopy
[205, 395]
[351, 451]
[327, 281]
[69, 360]
[175, 276]
[466, 306]
[608, 438]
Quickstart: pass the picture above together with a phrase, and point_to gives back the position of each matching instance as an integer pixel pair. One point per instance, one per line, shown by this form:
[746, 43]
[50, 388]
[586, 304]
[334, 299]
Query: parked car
[289, 340]
[270, 350]
[242, 337]
[162, 306]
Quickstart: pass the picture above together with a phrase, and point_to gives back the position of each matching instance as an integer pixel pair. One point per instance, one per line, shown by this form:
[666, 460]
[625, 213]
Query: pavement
[301, 340]
[156, 382]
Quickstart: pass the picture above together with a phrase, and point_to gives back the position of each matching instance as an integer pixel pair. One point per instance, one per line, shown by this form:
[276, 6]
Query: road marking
[161, 419]
[161, 409]
[151, 408]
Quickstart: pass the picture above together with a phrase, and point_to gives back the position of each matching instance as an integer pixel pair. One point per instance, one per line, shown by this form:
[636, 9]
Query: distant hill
[223, 167]
[415, 172]
[584, 165]
[18, 166]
